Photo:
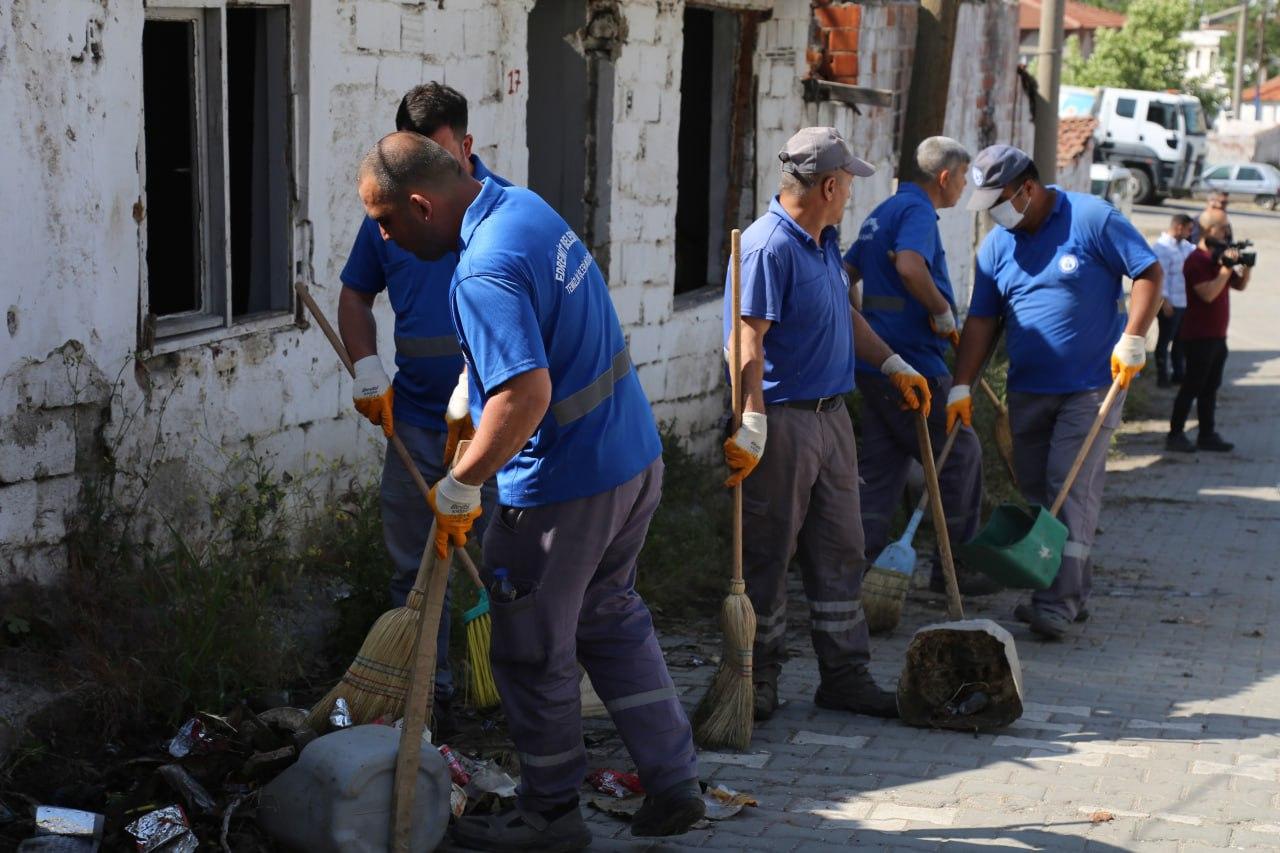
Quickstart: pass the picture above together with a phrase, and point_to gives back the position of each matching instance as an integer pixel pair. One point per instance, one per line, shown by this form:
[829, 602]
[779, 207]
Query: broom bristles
[883, 592]
[376, 682]
[482, 692]
[726, 714]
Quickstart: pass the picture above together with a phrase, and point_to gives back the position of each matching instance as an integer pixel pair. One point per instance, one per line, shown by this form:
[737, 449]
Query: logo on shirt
[562, 253]
[977, 176]
[869, 228]
[1067, 264]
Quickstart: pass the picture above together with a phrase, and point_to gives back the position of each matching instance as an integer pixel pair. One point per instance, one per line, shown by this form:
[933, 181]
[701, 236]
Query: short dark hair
[427, 108]
[1180, 219]
[405, 160]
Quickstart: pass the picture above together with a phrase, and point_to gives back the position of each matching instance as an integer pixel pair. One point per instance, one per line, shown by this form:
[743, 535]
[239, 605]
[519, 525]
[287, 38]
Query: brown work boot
[766, 701]
[855, 690]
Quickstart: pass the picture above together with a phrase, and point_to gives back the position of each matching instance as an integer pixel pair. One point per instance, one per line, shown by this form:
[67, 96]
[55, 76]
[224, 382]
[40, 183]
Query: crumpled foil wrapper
[340, 716]
[164, 830]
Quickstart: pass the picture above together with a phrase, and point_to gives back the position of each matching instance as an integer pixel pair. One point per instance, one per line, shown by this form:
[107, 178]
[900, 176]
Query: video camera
[1247, 259]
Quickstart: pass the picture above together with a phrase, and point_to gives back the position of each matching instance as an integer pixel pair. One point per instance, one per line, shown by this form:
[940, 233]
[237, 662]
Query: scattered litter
[971, 704]
[340, 716]
[195, 795]
[289, 719]
[164, 829]
[457, 771]
[961, 675]
[609, 804]
[426, 732]
[52, 820]
[688, 662]
[457, 800]
[723, 802]
[488, 779]
[1101, 817]
[195, 738]
[615, 783]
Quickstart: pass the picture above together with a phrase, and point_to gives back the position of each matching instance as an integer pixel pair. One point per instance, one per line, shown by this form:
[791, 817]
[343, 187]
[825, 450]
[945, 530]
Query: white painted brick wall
[45, 448]
[377, 26]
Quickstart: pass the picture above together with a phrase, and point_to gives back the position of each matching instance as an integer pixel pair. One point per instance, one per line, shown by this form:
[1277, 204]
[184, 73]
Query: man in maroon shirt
[1212, 271]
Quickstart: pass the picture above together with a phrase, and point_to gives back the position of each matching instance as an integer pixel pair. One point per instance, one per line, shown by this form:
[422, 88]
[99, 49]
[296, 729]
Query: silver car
[1256, 182]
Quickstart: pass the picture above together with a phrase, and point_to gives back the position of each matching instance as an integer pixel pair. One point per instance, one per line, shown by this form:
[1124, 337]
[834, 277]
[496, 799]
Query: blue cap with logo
[995, 167]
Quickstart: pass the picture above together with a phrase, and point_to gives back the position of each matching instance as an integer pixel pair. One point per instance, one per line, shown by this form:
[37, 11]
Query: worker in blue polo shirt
[794, 453]
[562, 420]
[908, 301]
[428, 362]
[1052, 268]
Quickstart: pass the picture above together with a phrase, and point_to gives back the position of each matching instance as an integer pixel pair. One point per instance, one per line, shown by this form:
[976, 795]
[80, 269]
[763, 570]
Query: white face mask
[1006, 215]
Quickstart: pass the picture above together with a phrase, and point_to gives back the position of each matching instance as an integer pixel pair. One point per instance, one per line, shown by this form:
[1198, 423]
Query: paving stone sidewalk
[1163, 710]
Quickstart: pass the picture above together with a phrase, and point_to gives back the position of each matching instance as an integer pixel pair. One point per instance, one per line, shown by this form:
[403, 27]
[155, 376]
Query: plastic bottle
[502, 590]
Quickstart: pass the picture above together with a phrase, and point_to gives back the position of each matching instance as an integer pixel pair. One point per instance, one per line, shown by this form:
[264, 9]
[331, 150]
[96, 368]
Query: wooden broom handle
[1107, 403]
[955, 609]
[990, 392]
[418, 701]
[735, 383]
[403, 452]
[942, 461]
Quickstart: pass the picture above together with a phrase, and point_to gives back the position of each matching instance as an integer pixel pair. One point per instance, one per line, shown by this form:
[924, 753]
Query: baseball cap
[995, 167]
[815, 150]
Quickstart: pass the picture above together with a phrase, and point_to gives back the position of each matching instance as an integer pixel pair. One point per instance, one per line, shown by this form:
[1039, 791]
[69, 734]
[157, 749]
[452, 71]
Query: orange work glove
[944, 326]
[457, 417]
[959, 406]
[743, 449]
[1128, 358]
[373, 394]
[457, 506]
[913, 387]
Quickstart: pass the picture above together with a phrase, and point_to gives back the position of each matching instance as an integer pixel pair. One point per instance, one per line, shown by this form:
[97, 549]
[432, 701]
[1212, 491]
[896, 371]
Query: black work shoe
[766, 700]
[1213, 443]
[969, 583]
[1179, 442]
[858, 692]
[1048, 624]
[673, 812]
[517, 830]
[1023, 613]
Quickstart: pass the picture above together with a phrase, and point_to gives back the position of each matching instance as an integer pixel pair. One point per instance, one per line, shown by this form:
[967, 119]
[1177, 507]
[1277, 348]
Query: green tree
[1145, 54]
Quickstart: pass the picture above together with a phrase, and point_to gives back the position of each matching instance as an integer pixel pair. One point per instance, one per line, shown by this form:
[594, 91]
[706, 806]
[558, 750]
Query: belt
[823, 404]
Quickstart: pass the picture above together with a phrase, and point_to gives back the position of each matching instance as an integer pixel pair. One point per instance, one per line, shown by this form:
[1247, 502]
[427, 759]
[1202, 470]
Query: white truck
[1160, 137]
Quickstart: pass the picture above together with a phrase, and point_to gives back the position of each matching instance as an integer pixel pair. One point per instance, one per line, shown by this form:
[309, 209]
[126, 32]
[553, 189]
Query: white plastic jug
[337, 797]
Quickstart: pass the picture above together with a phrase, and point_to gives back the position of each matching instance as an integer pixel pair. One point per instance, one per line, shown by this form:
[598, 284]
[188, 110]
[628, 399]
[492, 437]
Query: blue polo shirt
[802, 287]
[1060, 293]
[528, 295]
[904, 221]
[428, 358]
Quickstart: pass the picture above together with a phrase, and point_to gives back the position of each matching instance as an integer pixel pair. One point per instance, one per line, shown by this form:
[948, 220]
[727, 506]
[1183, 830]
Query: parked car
[1256, 182]
[1114, 183]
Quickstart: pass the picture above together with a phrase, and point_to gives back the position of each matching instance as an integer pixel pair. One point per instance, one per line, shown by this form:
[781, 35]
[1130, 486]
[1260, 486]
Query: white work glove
[742, 450]
[944, 326]
[457, 417]
[913, 387]
[959, 406]
[457, 506]
[1128, 358]
[373, 394]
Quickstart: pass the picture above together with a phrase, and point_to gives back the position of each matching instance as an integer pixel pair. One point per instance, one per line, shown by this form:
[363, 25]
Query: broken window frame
[214, 319]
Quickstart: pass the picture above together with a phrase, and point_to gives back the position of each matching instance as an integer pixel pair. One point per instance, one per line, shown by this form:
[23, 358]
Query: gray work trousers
[406, 522]
[801, 501]
[887, 446]
[573, 565]
[1048, 430]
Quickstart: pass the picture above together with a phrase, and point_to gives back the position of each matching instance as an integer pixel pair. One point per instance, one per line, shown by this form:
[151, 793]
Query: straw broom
[726, 714]
[377, 681]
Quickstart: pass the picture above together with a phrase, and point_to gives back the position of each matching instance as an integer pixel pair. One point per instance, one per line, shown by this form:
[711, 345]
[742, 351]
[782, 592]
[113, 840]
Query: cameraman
[1211, 272]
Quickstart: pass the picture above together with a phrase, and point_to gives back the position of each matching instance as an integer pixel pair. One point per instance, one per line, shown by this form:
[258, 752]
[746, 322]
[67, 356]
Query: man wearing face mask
[1052, 268]
[799, 339]
[908, 301]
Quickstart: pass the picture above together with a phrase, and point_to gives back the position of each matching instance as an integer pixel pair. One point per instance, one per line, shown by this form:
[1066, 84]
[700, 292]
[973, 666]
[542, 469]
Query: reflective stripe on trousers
[579, 403]
[436, 347]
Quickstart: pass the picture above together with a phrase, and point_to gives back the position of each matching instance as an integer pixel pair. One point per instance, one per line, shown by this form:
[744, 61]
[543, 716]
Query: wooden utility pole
[1262, 60]
[1048, 80]
[926, 107]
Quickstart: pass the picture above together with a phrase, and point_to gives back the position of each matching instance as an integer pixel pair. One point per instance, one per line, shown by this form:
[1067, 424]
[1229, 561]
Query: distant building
[1204, 57]
[1075, 151]
[1080, 20]
[1270, 103]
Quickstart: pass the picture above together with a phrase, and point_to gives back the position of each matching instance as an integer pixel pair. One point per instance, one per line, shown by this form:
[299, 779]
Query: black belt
[823, 404]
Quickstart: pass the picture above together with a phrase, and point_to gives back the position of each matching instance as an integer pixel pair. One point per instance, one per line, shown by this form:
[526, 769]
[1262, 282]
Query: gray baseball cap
[815, 150]
[995, 167]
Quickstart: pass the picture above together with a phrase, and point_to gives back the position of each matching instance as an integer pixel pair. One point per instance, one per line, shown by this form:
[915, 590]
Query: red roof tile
[1078, 17]
[1270, 92]
[1074, 133]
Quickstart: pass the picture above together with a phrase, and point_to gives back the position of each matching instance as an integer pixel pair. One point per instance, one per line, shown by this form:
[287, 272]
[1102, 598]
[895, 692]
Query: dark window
[1248, 173]
[1165, 115]
[1126, 107]
[1221, 173]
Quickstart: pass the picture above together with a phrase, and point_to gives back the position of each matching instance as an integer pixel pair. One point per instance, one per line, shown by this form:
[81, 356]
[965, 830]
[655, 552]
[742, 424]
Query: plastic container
[337, 797]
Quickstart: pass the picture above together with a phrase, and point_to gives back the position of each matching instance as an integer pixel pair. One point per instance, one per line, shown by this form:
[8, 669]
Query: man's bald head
[405, 161]
[1215, 224]
[417, 193]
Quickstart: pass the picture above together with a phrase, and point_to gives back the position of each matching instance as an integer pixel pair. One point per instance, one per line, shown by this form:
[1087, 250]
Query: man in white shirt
[1172, 248]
